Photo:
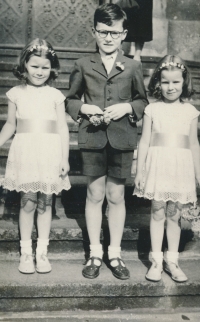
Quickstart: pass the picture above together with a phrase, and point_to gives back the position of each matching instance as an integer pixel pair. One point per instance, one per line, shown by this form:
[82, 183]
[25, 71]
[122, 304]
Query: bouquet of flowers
[99, 119]
[192, 213]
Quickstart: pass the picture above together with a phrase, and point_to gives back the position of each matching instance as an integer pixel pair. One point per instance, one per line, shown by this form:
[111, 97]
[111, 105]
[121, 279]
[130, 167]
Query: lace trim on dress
[183, 198]
[37, 186]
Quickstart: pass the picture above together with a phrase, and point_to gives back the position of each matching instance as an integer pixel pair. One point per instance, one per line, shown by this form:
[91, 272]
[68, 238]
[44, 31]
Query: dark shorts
[107, 161]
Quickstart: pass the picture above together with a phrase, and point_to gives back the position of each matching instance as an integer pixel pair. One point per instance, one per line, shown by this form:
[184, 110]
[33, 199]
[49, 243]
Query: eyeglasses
[104, 33]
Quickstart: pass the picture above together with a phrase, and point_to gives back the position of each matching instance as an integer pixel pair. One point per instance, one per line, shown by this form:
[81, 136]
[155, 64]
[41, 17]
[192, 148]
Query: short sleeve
[194, 112]
[59, 97]
[148, 110]
[12, 94]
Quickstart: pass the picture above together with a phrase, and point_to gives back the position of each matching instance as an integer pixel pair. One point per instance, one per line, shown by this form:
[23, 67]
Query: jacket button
[108, 98]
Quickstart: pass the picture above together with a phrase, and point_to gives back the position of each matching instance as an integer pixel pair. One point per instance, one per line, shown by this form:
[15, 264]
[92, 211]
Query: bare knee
[158, 215]
[174, 211]
[115, 197]
[173, 217]
[95, 195]
[158, 210]
[29, 207]
[41, 211]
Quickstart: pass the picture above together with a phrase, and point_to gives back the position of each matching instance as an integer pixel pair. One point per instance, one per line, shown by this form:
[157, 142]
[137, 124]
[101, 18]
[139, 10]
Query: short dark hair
[107, 13]
[41, 48]
[171, 62]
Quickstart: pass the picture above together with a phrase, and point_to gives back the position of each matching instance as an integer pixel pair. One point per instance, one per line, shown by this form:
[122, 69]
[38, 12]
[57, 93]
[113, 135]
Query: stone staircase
[65, 289]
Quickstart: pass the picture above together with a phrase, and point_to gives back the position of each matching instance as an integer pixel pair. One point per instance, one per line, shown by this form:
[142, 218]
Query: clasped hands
[113, 112]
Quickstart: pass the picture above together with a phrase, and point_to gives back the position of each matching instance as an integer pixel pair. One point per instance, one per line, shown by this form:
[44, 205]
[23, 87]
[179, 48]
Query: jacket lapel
[97, 65]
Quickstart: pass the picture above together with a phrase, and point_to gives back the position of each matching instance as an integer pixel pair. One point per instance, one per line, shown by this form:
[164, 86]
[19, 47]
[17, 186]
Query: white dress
[169, 171]
[34, 158]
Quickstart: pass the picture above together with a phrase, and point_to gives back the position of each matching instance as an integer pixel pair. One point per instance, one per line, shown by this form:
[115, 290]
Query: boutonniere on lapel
[119, 65]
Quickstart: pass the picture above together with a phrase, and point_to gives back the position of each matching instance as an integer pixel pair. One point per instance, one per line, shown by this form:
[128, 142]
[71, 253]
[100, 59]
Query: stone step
[62, 83]
[8, 82]
[64, 67]
[66, 289]
[68, 220]
[12, 55]
[9, 58]
[69, 237]
[136, 315]
[69, 232]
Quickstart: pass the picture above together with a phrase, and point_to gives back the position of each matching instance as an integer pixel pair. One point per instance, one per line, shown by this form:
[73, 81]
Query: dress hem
[165, 200]
[37, 190]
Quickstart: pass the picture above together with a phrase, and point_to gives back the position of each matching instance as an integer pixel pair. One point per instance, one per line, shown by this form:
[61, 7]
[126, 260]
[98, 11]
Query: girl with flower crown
[37, 163]
[168, 161]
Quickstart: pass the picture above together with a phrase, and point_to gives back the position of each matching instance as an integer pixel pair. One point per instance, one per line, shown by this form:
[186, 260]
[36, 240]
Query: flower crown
[181, 66]
[38, 47]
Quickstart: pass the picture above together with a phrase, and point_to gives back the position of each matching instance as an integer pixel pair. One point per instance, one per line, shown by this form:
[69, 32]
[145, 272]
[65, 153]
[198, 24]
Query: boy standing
[113, 89]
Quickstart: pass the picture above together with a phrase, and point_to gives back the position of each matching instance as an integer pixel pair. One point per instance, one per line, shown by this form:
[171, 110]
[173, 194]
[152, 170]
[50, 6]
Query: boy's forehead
[116, 25]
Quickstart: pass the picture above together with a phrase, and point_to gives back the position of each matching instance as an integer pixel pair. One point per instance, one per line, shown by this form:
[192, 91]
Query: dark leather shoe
[120, 271]
[92, 270]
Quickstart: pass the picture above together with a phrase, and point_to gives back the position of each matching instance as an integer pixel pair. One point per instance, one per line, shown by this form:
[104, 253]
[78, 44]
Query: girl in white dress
[168, 161]
[37, 163]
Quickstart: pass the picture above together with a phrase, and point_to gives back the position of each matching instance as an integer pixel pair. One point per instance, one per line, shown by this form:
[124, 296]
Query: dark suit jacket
[89, 78]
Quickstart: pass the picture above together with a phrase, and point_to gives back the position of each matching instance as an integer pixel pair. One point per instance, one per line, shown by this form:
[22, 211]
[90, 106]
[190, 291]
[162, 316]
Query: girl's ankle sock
[26, 247]
[172, 256]
[96, 251]
[42, 245]
[114, 252]
[157, 257]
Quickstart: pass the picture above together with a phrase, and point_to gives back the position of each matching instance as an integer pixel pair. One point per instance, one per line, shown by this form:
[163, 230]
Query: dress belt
[170, 140]
[36, 126]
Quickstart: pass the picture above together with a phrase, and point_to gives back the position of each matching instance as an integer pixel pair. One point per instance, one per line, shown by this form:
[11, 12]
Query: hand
[90, 109]
[64, 167]
[117, 111]
[139, 181]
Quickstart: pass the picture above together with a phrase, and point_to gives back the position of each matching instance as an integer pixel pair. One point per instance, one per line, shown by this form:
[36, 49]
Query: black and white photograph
[99, 160]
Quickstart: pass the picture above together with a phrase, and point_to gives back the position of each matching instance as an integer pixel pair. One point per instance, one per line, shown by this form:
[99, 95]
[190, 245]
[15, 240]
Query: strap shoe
[91, 270]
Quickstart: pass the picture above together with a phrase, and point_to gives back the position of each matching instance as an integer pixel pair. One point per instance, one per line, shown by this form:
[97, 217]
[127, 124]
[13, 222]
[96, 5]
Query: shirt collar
[112, 56]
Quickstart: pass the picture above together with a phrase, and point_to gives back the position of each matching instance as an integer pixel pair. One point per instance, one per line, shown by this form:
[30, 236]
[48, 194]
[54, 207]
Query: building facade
[67, 25]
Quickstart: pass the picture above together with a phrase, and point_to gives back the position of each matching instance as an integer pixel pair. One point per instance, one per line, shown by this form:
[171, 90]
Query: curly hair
[171, 62]
[41, 48]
